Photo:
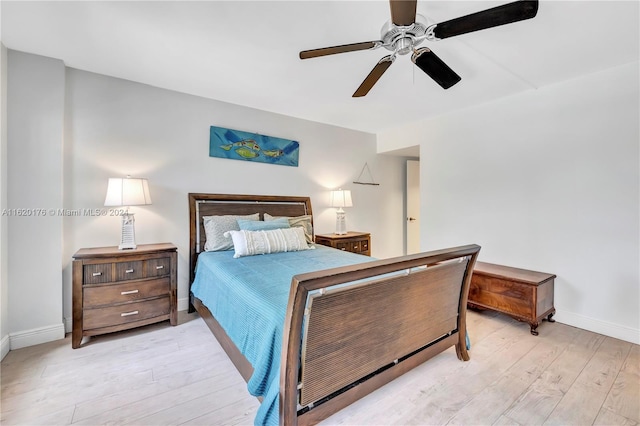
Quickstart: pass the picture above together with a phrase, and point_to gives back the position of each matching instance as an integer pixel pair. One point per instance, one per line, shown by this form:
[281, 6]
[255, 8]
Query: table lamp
[341, 198]
[126, 192]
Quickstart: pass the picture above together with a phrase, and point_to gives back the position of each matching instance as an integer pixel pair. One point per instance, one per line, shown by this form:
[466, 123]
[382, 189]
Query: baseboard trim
[36, 336]
[616, 331]
[183, 304]
[5, 346]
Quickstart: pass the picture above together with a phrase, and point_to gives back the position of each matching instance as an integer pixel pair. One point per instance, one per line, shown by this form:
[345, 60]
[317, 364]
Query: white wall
[547, 180]
[35, 111]
[115, 127]
[69, 131]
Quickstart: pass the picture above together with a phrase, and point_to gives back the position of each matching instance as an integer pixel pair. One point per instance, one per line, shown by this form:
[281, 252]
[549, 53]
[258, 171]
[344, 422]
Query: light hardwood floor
[163, 375]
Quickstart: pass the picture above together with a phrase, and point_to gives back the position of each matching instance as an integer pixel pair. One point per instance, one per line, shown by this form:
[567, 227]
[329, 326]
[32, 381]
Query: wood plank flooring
[163, 375]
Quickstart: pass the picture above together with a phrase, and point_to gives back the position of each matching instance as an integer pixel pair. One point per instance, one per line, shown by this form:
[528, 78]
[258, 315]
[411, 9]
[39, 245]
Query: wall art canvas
[239, 145]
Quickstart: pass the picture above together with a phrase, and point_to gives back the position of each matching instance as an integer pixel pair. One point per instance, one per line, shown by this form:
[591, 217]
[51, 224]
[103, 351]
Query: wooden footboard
[341, 343]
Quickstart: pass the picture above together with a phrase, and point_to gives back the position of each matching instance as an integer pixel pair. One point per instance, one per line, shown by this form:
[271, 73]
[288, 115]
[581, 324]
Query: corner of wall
[4, 280]
[5, 346]
[34, 97]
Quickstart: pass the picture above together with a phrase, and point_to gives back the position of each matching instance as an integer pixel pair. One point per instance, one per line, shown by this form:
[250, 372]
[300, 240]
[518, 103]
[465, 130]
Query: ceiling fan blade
[403, 12]
[500, 15]
[440, 72]
[374, 76]
[314, 53]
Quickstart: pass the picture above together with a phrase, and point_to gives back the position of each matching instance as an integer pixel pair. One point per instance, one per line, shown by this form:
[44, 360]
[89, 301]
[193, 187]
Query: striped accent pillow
[249, 243]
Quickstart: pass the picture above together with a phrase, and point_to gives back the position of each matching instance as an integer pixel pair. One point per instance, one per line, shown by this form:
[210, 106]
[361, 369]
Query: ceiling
[246, 52]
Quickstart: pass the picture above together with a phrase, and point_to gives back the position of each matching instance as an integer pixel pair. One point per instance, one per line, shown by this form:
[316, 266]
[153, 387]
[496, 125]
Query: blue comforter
[248, 296]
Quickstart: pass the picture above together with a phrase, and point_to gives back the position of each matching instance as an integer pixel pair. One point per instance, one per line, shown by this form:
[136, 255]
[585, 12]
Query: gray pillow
[216, 226]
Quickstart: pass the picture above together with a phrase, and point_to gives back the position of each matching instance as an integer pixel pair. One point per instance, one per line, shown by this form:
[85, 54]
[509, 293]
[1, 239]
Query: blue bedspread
[248, 296]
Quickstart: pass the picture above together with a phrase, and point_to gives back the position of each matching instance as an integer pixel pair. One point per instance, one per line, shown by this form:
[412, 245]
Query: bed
[313, 331]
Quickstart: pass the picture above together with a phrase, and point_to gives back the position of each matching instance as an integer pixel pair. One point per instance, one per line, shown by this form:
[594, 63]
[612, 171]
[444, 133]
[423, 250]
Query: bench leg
[534, 326]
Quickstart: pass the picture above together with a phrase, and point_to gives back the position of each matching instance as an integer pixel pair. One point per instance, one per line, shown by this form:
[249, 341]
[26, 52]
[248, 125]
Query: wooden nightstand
[116, 290]
[355, 242]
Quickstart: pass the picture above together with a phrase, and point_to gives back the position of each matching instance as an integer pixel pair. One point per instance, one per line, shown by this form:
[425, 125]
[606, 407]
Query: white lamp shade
[341, 198]
[127, 192]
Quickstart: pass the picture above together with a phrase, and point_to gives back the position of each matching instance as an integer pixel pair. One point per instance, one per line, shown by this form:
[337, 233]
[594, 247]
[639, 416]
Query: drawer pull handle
[97, 274]
[126, 314]
[129, 292]
[128, 271]
[160, 267]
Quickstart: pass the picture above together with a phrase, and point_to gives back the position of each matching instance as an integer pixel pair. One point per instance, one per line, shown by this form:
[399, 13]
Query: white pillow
[216, 226]
[302, 221]
[248, 243]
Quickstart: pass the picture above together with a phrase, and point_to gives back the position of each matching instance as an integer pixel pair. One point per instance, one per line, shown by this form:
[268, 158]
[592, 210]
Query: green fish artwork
[240, 145]
[273, 153]
[246, 152]
[247, 143]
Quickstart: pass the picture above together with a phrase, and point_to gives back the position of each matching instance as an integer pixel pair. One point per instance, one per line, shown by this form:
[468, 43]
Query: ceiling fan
[407, 29]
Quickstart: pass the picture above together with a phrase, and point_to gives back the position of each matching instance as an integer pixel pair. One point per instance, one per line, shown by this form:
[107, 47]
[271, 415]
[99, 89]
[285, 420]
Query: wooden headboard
[233, 204]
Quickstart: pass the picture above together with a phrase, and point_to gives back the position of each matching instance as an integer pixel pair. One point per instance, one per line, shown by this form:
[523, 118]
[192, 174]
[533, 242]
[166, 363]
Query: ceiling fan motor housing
[403, 39]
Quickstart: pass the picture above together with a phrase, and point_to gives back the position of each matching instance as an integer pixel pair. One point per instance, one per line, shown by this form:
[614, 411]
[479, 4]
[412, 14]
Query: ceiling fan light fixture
[403, 46]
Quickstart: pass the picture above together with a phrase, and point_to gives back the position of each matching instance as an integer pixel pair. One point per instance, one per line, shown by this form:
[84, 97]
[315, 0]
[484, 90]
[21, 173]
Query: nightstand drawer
[119, 293]
[129, 270]
[346, 246]
[158, 267]
[96, 274]
[353, 246]
[360, 246]
[354, 242]
[128, 312]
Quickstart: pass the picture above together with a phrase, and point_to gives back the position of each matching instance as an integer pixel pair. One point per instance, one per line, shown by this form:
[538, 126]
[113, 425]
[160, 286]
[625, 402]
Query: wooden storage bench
[522, 294]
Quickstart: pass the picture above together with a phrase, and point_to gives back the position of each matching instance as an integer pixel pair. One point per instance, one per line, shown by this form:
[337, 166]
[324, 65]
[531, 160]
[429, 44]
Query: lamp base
[341, 222]
[128, 239]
